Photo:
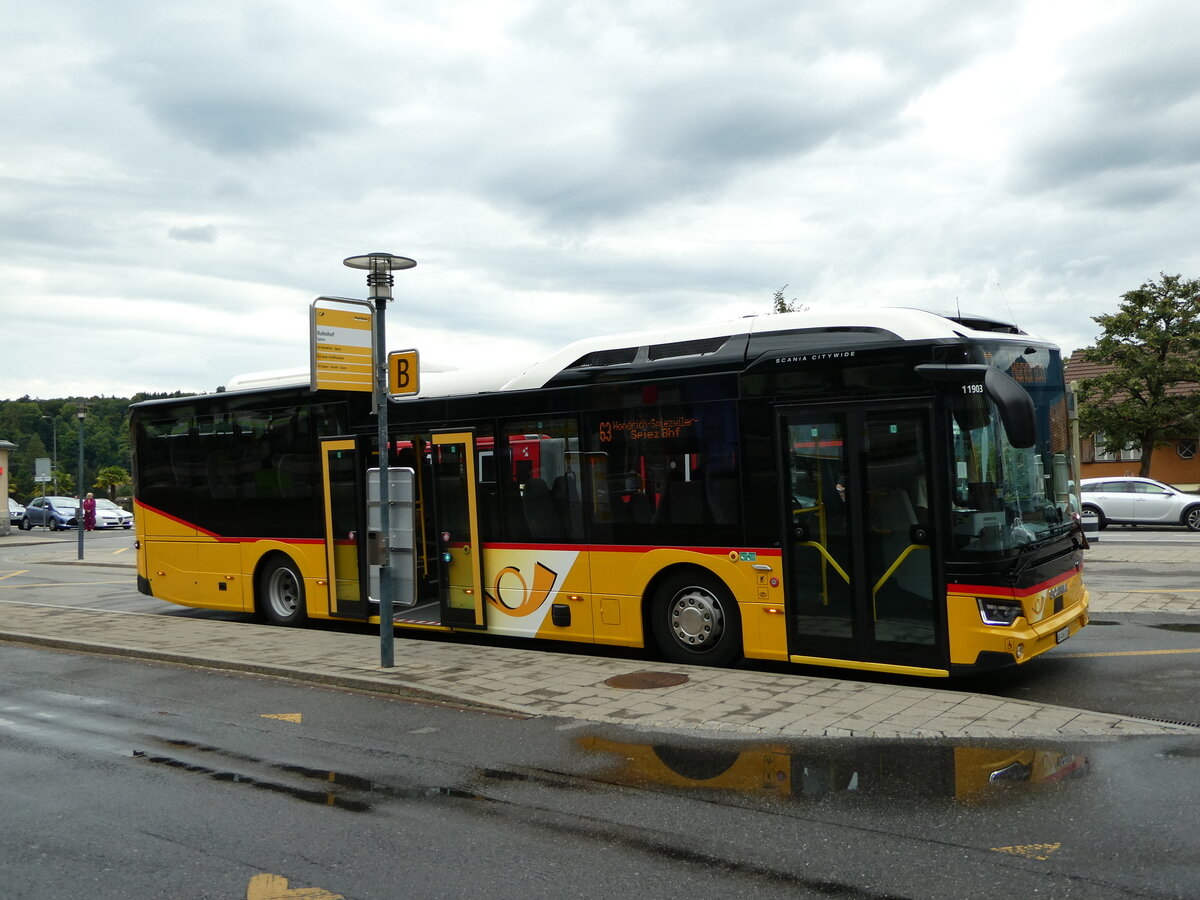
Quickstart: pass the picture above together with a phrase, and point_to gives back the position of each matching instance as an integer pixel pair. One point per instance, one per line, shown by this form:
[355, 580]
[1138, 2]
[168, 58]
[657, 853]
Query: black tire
[280, 593]
[1101, 522]
[696, 621]
[54, 526]
[1191, 518]
[25, 524]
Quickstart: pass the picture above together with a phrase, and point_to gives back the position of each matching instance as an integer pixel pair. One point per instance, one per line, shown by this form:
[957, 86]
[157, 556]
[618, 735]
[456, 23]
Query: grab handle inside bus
[1013, 401]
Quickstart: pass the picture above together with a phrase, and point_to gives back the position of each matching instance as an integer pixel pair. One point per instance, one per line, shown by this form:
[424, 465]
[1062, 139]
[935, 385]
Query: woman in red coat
[89, 514]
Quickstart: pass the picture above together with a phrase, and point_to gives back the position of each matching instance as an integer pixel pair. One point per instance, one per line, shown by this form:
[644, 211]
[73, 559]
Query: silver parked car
[109, 515]
[1129, 500]
[15, 512]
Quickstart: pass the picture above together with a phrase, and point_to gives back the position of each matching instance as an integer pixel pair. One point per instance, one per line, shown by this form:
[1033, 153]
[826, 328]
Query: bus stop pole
[387, 630]
[379, 268]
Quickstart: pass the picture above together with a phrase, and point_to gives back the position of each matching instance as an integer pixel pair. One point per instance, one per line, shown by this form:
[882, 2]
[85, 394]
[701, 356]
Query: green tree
[1152, 346]
[780, 305]
[110, 478]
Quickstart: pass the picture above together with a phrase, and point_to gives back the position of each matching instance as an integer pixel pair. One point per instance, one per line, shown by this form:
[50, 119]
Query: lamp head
[379, 268]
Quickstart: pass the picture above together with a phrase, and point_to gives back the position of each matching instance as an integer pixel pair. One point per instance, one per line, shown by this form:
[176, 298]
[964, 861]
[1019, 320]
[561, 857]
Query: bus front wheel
[281, 592]
[696, 621]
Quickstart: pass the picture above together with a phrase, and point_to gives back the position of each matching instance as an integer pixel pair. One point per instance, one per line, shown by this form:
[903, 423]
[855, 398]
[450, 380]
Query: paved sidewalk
[534, 682]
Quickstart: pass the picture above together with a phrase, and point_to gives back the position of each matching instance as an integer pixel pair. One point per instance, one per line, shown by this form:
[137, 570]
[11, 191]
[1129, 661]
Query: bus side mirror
[1015, 405]
[1012, 401]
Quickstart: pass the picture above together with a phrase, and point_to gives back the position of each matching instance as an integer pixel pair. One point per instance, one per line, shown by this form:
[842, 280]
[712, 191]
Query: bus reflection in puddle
[824, 771]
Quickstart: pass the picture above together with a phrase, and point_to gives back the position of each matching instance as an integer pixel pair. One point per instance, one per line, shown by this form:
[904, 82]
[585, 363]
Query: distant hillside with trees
[33, 426]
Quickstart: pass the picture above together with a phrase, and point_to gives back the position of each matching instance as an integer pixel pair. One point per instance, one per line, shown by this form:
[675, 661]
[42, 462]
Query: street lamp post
[80, 413]
[54, 464]
[379, 268]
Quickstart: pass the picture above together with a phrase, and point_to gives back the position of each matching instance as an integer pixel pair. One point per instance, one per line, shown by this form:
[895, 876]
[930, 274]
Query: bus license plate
[1062, 634]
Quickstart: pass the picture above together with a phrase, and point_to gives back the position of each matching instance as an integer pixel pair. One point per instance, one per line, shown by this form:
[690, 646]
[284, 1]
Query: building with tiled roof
[1177, 463]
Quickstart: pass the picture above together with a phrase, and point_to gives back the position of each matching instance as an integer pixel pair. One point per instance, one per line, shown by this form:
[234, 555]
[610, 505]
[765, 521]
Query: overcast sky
[179, 181]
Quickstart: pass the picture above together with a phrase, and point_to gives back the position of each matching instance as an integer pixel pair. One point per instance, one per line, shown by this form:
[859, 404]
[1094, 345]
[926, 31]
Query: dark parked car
[57, 512]
[1129, 500]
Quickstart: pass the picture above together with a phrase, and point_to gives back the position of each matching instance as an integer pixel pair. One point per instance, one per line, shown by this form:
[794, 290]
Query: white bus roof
[905, 324]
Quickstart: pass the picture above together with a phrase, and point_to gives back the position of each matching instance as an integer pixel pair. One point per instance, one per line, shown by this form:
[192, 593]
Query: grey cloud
[1123, 127]
[196, 234]
[230, 124]
[706, 95]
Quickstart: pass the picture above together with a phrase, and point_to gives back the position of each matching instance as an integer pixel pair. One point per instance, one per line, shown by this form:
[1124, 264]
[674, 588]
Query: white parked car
[109, 515]
[15, 512]
[1129, 500]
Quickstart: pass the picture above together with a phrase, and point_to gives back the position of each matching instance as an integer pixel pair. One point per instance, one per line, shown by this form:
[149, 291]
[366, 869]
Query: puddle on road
[320, 786]
[887, 772]
[881, 770]
[1181, 627]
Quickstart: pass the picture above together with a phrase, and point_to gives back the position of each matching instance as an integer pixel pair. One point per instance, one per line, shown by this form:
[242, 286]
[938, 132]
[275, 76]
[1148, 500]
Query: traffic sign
[404, 373]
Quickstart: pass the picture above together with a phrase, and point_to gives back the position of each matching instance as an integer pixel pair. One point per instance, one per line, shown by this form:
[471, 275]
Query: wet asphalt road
[125, 778]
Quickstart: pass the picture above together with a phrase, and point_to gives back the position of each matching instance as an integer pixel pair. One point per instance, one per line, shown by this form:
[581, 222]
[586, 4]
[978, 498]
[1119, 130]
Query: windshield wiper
[1017, 569]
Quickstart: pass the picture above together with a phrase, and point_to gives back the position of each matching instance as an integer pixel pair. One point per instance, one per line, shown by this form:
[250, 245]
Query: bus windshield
[1006, 498]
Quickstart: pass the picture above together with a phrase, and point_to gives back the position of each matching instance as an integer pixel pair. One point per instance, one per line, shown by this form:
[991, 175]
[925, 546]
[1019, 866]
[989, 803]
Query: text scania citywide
[814, 357]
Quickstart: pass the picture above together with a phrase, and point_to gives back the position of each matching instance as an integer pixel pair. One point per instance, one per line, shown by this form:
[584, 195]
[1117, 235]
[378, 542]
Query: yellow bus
[887, 490]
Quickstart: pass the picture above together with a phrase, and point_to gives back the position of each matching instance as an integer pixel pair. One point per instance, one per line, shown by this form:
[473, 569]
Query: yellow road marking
[11, 574]
[122, 550]
[1160, 591]
[1030, 851]
[275, 887]
[1131, 653]
[286, 717]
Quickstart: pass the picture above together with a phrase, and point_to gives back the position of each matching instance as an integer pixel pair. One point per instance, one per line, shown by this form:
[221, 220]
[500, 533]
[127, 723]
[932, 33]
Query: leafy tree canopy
[50, 429]
[1152, 346]
[780, 305]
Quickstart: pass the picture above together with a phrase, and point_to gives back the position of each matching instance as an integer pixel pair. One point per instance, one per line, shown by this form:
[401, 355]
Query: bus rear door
[343, 471]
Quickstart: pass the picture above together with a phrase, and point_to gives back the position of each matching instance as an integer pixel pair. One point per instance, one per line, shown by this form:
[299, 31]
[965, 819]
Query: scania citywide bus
[888, 489]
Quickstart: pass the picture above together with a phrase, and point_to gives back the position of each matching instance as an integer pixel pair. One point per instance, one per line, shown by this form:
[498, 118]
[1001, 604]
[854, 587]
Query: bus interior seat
[540, 512]
[516, 527]
[682, 504]
[723, 499]
[294, 471]
[220, 477]
[641, 508]
[566, 499]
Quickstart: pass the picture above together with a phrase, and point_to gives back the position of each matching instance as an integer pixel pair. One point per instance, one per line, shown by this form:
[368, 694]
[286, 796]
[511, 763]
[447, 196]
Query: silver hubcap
[283, 593]
[696, 618]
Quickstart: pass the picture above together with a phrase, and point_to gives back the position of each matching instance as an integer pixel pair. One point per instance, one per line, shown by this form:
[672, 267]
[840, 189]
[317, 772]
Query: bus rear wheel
[695, 620]
[281, 593]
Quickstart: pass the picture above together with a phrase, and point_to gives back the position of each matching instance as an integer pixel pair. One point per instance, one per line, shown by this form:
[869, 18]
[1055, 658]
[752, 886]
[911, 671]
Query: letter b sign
[403, 372]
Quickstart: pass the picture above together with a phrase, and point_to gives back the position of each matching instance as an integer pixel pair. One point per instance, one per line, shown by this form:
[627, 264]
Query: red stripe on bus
[999, 588]
[223, 539]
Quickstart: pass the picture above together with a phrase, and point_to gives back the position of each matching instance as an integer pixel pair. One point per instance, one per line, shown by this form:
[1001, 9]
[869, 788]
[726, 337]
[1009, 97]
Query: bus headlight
[998, 612]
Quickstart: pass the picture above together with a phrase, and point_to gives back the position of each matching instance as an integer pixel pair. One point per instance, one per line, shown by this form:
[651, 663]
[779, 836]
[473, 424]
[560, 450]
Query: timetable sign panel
[343, 345]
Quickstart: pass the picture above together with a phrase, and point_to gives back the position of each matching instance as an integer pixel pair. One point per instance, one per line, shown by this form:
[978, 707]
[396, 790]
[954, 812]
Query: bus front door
[450, 569]
[861, 574]
[345, 554]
